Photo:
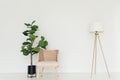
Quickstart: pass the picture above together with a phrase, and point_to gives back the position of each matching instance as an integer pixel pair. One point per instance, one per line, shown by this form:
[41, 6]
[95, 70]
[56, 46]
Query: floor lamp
[97, 28]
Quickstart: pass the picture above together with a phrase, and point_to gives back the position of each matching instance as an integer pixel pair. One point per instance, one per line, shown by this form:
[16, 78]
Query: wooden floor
[73, 76]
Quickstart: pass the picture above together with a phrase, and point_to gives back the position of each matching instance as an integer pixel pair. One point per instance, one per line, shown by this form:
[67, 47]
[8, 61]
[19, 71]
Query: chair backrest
[48, 55]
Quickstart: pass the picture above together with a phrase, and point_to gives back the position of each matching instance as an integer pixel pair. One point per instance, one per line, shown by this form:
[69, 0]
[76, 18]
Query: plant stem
[31, 59]
[31, 54]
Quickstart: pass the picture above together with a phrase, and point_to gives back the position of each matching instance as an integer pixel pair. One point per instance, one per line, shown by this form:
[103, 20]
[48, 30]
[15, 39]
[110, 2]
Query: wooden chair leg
[42, 72]
[37, 72]
[57, 71]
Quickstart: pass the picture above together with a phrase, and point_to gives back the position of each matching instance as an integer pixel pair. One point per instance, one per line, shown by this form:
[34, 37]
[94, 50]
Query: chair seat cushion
[48, 64]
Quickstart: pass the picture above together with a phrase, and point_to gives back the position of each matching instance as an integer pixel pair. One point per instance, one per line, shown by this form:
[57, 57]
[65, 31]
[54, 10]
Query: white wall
[65, 24]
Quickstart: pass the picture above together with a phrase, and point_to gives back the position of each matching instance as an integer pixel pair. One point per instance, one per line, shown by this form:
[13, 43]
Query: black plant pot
[31, 71]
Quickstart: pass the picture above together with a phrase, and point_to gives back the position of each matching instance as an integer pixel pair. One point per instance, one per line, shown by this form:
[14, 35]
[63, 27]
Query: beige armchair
[47, 59]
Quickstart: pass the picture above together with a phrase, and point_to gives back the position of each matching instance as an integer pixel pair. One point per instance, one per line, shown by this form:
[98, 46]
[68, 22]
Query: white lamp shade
[96, 27]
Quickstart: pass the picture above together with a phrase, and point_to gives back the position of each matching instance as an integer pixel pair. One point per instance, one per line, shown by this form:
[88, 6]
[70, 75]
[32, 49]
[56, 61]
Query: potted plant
[30, 47]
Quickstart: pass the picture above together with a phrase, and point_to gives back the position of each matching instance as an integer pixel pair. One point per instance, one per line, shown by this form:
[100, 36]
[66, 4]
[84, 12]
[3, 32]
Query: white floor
[73, 76]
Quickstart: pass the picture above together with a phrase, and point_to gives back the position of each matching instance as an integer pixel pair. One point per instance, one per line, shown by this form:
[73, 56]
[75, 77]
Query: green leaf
[28, 39]
[33, 22]
[26, 43]
[22, 47]
[42, 44]
[42, 38]
[34, 27]
[27, 24]
[36, 49]
[31, 31]
[26, 52]
[29, 47]
[26, 33]
[45, 43]
[32, 37]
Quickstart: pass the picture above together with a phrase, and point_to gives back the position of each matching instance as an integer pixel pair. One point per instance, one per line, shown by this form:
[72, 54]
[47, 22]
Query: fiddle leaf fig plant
[28, 47]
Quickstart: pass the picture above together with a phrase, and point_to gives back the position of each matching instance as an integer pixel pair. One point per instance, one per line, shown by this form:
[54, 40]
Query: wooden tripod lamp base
[97, 28]
[94, 60]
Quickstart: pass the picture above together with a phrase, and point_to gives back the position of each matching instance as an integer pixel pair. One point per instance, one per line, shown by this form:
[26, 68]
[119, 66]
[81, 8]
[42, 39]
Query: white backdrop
[65, 24]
